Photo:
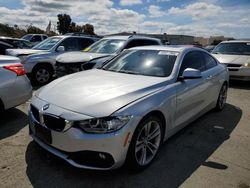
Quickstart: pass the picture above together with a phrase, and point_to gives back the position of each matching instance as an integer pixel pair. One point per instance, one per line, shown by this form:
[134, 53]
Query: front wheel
[145, 143]
[42, 74]
[221, 101]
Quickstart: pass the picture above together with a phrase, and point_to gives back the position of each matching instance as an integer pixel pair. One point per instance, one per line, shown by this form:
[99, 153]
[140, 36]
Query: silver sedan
[15, 87]
[122, 112]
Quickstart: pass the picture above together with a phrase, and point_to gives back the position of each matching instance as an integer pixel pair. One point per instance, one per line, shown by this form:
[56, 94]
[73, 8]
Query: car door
[212, 77]
[84, 43]
[191, 93]
[70, 44]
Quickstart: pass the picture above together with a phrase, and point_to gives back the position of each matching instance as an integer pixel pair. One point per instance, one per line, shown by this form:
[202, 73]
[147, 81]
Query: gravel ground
[213, 151]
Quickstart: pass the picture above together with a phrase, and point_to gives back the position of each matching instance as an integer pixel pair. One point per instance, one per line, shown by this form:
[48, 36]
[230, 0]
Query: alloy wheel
[223, 96]
[42, 75]
[147, 143]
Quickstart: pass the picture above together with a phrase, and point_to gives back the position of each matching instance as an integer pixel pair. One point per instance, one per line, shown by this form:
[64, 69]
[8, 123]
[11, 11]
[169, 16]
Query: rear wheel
[42, 74]
[145, 143]
[222, 98]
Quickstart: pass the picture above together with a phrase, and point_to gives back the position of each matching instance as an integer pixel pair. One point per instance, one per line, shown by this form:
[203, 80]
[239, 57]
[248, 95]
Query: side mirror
[60, 49]
[190, 73]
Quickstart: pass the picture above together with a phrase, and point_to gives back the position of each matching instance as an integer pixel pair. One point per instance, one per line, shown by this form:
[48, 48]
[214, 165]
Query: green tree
[35, 30]
[89, 29]
[75, 28]
[63, 24]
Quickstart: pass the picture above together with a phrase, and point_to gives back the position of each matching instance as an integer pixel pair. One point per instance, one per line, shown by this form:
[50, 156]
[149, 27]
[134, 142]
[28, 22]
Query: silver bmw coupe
[122, 112]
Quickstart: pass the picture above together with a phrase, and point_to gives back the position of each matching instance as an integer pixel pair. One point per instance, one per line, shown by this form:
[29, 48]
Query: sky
[187, 17]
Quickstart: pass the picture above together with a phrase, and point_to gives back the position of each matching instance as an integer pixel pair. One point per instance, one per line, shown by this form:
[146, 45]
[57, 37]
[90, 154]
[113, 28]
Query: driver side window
[194, 60]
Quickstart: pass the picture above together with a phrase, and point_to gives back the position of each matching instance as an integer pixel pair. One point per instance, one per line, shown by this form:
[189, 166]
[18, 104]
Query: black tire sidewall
[218, 108]
[131, 161]
[36, 69]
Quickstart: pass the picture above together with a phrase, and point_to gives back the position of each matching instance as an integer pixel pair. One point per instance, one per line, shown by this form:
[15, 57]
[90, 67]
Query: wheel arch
[2, 107]
[160, 115]
[43, 64]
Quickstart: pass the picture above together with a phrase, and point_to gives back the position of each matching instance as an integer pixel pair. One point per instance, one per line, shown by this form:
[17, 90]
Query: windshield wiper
[128, 72]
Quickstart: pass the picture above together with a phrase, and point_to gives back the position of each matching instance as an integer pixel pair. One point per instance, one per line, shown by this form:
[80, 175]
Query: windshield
[106, 46]
[144, 62]
[239, 48]
[27, 37]
[47, 44]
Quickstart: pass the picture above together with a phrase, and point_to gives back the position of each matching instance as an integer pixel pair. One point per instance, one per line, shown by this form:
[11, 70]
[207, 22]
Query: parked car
[99, 53]
[15, 87]
[35, 38]
[81, 34]
[40, 60]
[236, 56]
[16, 43]
[209, 48]
[3, 46]
[123, 111]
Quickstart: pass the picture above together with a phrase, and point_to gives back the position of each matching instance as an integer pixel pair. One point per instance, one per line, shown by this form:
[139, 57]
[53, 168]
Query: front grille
[63, 69]
[53, 122]
[50, 121]
[35, 113]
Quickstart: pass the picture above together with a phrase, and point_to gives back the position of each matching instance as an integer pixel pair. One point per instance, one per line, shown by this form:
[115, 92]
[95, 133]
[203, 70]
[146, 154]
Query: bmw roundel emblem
[45, 107]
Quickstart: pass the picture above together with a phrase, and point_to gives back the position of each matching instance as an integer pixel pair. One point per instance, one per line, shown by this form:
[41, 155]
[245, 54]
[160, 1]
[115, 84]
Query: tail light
[17, 68]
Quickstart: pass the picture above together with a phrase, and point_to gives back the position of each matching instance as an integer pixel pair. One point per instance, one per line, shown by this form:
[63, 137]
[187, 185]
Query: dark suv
[99, 53]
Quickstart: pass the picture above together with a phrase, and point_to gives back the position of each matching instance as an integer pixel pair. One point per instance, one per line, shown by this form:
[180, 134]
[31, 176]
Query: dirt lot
[214, 151]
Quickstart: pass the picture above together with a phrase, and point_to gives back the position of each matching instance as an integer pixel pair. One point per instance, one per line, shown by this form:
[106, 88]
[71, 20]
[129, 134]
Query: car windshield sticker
[167, 53]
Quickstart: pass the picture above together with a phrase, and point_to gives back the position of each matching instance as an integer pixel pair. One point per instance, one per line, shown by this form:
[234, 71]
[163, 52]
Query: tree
[75, 28]
[89, 29]
[35, 30]
[63, 24]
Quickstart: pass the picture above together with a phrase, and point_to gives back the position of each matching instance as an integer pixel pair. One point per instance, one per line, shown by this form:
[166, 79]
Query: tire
[1, 108]
[42, 74]
[221, 101]
[142, 151]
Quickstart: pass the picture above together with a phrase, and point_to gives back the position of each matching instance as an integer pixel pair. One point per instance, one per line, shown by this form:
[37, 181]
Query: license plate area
[43, 134]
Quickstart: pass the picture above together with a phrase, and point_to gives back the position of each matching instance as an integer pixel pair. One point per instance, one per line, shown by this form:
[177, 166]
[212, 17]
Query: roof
[236, 41]
[126, 37]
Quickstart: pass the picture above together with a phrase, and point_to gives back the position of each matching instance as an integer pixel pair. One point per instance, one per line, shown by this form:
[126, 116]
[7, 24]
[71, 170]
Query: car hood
[18, 52]
[98, 93]
[235, 59]
[78, 57]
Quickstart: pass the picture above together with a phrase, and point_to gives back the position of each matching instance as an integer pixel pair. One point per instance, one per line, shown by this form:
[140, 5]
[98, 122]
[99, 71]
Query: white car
[236, 56]
[123, 111]
[15, 87]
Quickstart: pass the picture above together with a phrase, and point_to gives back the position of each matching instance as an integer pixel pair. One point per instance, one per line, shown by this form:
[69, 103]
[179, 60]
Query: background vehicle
[9, 43]
[3, 46]
[35, 38]
[236, 56]
[40, 60]
[15, 87]
[209, 48]
[98, 53]
[100, 118]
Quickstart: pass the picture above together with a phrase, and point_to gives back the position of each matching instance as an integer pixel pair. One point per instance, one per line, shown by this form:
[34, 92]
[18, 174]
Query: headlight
[103, 125]
[246, 65]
